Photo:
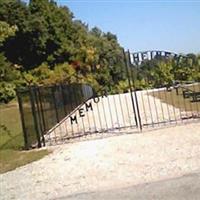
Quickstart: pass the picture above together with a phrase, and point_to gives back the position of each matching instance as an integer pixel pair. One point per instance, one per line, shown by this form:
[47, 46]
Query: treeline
[163, 71]
[41, 43]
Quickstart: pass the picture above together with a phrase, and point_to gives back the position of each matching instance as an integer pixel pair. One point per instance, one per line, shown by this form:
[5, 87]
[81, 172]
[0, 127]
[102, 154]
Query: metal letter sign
[88, 106]
[138, 57]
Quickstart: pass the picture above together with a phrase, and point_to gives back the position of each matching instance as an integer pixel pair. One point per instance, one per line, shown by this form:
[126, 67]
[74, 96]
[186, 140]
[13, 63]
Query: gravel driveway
[108, 163]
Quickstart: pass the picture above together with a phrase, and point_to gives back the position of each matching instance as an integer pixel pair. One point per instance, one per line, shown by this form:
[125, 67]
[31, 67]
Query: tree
[6, 31]
[8, 73]
[157, 72]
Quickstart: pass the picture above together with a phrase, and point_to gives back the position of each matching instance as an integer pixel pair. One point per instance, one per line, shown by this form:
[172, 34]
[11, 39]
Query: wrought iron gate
[57, 113]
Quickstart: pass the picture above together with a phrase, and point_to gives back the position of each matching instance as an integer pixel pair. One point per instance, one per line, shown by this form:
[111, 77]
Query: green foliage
[63, 73]
[8, 72]
[48, 34]
[41, 43]
[122, 86]
[7, 92]
[6, 31]
[8, 77]
[187, 68]
[162, 72]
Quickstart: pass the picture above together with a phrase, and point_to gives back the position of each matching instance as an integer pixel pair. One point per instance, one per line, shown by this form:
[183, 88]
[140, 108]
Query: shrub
[7, 92]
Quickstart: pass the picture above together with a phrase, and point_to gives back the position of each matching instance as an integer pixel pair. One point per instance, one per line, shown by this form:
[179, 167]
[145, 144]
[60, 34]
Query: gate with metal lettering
[55, 114]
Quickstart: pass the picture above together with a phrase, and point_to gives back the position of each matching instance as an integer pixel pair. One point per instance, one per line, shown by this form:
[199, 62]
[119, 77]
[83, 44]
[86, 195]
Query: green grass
[12, 138]
[170, 97]
[12, 141]
[11, 159]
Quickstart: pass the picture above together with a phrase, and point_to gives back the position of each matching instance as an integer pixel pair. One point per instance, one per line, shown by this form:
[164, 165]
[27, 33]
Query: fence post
[54, 102]
[64, 99]
[42, 109]
[130, 86]
[36, 92]
[22, 120]
[135, 94]
[34, 116]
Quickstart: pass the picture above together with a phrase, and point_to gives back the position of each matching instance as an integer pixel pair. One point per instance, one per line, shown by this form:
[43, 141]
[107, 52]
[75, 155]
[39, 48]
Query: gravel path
[107, 163]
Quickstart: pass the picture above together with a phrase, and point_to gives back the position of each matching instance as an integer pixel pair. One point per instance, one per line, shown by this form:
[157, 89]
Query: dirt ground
[107, 163]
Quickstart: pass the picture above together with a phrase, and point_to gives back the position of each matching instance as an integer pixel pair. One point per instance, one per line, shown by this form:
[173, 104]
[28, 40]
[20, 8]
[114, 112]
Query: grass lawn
[170, 97]
[11, 159]
[11, 140]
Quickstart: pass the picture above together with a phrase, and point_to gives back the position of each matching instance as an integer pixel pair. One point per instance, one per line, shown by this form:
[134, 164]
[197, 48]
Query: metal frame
[97, 113]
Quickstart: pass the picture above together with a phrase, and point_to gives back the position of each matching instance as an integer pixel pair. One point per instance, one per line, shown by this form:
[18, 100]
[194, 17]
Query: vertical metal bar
[39, 115]
[64, 99]
[42, 100]
[44, 93]
[87, 94]
[55, 136]
[67, 133]
[161, 105]
[42, 109]
[102, 101]
[135, 93]
[185, 107]
[120, 102]
[176, 88]
[116, 110]
[53, 88]
[136, 101]
[70, 100]
[197, 107]
[60, 87]
[179, 104]
[190, 105]
[54, 102]
[82, 117]
[144, 109]
[109, 108]
[94, 120]
[26, 143]
[77, 104]
[92, 111]
[129, 116]
[66, 110]
[138, 111]
[173, 105]
[130, 86]
[167, 104]
[150, 111]
[34, 116]
[100, 123]
[198, 102]
[155, 106]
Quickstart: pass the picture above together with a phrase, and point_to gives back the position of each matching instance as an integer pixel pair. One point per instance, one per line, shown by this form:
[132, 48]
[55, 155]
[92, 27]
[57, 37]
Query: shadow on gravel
[186, 187]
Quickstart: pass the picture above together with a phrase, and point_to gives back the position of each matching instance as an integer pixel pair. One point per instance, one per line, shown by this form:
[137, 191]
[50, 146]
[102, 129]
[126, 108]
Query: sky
[144, 25]
[170, 25]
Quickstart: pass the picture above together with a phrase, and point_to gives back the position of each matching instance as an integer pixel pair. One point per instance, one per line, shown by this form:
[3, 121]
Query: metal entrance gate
[105, 113]
[57, 113]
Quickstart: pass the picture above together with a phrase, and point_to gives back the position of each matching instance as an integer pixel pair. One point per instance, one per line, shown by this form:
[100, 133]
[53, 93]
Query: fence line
[55, 113]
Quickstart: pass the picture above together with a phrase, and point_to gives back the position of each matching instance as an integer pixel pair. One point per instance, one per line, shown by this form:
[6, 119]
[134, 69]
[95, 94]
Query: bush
[7, 92]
